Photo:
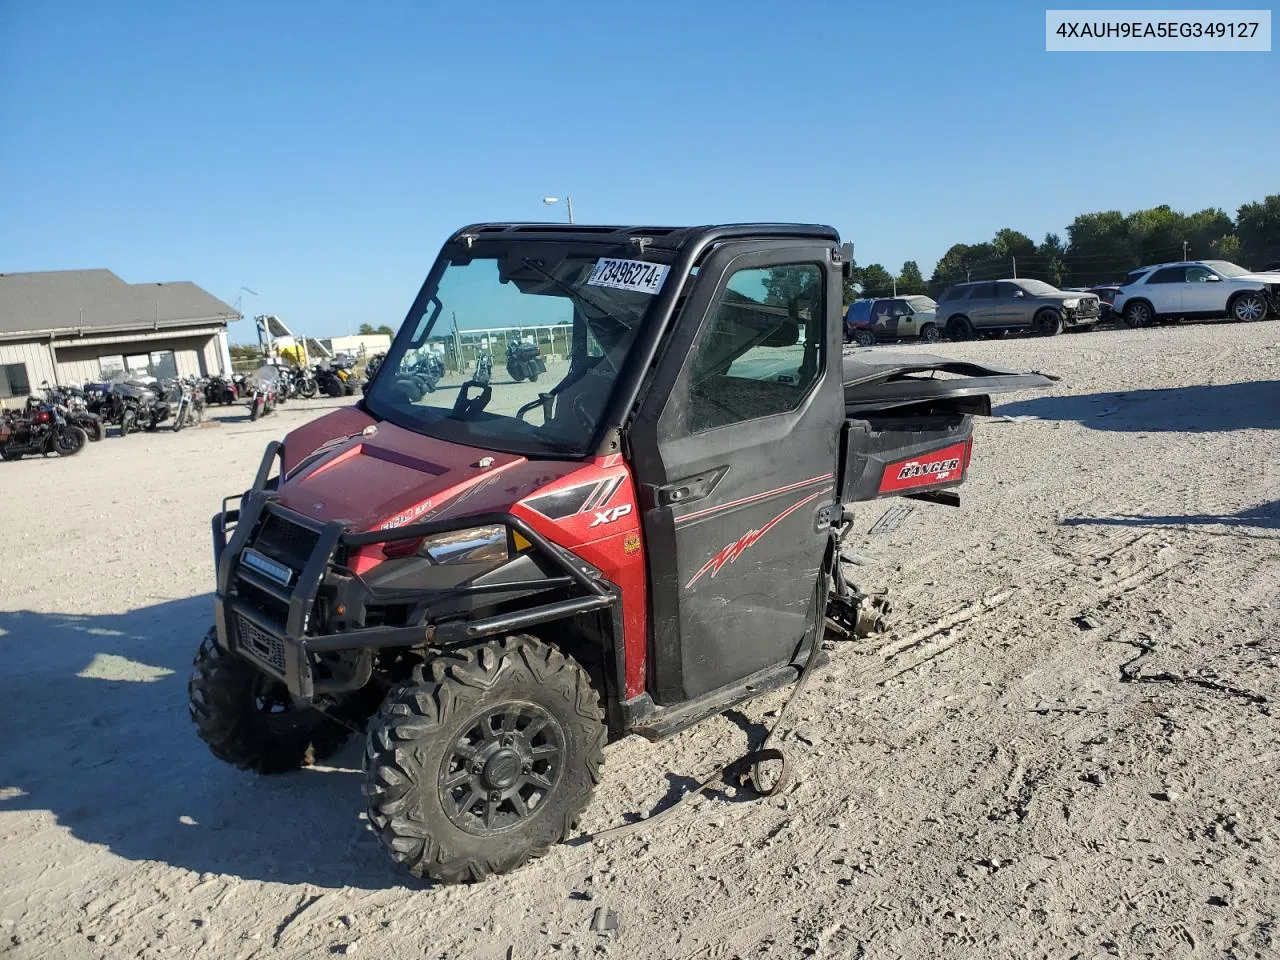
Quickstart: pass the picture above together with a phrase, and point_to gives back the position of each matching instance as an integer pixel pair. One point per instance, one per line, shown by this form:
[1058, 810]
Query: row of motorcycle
[422, 375]
[62, 420]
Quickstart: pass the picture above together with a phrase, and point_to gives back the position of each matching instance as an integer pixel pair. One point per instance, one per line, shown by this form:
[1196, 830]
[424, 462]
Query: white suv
[1199, 289]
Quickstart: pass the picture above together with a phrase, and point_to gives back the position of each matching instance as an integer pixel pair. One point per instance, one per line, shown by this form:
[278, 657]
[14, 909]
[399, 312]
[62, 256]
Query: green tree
[1010, 243]
[384, 329]
[366, 330]
[876, 281]
[1226, 247]
[909, 279]
[1051, 257]
[1258, 229]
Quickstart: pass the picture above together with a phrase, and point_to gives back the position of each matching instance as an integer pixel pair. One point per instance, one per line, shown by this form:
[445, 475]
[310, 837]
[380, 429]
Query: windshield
[1226, 268]
[516, 353]
[922, 304]
[1037, 288]
[1133, 276]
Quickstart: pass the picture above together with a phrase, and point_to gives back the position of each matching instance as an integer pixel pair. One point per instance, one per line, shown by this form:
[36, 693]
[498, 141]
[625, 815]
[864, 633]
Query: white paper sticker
[628, 275]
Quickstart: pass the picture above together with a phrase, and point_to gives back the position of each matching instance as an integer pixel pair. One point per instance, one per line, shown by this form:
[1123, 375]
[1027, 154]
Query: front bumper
[279, 636]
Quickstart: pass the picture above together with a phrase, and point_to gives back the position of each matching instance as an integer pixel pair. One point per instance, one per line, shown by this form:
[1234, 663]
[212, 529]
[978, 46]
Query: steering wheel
[466, 407]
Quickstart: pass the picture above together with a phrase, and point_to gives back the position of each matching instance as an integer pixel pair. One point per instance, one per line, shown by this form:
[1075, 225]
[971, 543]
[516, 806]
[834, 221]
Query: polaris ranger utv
[494, 579]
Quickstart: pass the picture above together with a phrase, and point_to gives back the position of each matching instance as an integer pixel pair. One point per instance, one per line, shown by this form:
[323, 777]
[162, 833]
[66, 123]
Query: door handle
[689, 488]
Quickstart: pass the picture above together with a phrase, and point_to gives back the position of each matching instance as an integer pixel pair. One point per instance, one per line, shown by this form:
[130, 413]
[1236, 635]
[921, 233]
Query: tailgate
[888, 456]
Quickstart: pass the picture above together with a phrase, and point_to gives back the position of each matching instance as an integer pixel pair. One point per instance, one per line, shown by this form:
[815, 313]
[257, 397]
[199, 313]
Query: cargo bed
[909, 420]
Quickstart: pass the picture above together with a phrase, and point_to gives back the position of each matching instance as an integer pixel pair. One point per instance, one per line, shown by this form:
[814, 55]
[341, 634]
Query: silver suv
[992, 306]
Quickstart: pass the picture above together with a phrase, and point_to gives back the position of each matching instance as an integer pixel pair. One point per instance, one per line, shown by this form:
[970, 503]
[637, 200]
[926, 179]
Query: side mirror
[1019, 293]
[1213, 278]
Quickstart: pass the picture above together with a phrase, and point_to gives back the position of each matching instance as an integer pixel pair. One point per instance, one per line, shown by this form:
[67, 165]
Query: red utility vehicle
[494, 579]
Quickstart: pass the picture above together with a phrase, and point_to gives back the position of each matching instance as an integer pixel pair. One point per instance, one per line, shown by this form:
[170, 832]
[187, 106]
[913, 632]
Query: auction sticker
[628, 275]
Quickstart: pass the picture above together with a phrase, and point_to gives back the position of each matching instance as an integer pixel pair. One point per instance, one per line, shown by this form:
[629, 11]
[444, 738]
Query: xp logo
[608, 516]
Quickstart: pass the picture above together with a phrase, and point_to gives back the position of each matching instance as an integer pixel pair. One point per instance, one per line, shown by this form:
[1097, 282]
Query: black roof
[669, 238]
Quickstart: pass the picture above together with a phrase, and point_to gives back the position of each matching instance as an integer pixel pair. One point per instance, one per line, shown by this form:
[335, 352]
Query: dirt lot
[1001, 776]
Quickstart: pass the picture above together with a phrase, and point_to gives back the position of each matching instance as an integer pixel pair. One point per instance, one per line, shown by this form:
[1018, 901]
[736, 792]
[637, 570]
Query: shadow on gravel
[1207, 409]
[1265, 516]
[93, 718]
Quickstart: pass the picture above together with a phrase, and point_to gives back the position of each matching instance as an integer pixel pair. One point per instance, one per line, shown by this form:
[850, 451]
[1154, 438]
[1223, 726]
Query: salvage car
[998, 306]
[1197, 290]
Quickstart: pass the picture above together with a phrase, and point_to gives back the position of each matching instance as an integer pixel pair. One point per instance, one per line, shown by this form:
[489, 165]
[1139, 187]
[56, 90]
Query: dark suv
[994, 306]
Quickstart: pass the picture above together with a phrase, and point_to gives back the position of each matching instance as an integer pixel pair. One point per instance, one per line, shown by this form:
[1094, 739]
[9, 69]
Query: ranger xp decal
[748, 540]
[941, 466]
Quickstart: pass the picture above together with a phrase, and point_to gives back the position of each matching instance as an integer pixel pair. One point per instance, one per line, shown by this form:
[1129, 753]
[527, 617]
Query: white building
[73, 326]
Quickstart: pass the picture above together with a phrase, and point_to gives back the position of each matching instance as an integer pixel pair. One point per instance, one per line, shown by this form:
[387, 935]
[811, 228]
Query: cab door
[734, 449]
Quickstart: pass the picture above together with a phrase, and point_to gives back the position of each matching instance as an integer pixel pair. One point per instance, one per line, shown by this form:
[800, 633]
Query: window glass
[954, 293]
[983, 291]
[13, 380]
[762, 350]
[108, 367]
[1199, 274]
[1169, 275]
[1005, 289]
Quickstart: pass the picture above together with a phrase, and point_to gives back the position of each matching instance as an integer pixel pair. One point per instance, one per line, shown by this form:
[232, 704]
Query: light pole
[568, 203]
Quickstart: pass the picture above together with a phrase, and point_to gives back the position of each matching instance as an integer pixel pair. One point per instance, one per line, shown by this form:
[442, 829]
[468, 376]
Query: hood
[391, 477]
[1265, 276]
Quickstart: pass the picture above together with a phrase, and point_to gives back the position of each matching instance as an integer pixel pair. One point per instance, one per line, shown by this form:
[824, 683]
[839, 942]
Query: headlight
[1071, 304]
[473, 545]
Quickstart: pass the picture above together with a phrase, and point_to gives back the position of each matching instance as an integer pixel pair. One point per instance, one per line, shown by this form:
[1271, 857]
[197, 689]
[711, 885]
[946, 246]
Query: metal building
[73, 326]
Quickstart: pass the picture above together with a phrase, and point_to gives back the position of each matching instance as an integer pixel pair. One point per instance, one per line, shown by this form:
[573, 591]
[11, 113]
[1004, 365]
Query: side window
[1198, 274]
[13, 380]
[1169, 275]
[900, 308]
[762, 350]
[1006, 290]
[983, 291]
[881, 311]
[954, 293]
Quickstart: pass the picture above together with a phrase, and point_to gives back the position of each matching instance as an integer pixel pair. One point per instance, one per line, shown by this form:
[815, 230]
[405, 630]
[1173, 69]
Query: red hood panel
[389, 478]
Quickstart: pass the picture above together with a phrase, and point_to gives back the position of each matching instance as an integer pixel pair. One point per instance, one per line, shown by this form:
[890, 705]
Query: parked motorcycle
[221, 390]
[188, 405]
[43, 431]
[264, 395]
[73, 404]
[421, 377]
[304, 383]
[331, 381]
[523, 360]
[137, 405]
[484, 368]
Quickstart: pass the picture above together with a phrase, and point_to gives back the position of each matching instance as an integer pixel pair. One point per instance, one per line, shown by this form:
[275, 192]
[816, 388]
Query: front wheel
[1248, 307]
[1048, 323]
[1138, 314]
[515, 372]
[249, 720]
[929, 333]
[484, 759]
[308, 390]
[128, 423]
[69, 441]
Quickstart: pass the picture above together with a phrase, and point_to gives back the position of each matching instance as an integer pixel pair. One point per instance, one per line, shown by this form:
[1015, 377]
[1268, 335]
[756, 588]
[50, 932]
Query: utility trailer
[492, 580]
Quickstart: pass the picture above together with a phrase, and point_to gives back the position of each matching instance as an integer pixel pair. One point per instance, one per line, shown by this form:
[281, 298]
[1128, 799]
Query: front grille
[284, 541]
[260, 645]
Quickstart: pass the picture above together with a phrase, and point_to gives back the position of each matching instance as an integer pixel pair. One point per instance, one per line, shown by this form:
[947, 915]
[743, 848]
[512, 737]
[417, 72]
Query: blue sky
[319, 152]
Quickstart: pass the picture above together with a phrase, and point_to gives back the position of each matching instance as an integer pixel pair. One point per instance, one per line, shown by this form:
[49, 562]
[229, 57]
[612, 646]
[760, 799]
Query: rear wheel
[864, 338]
[333, 388]
[128, 423]
[929, 333]
[249, 720]
[1048, 323]
[484, 759]
[959, 328]
[1138, 313]
[1248, 307]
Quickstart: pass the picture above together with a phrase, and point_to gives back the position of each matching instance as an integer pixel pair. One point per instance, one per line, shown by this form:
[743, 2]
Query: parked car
[1196, 289]
[1106, 294]
[996, 306]
[857, 323]
[892, 318]
[1272, 267]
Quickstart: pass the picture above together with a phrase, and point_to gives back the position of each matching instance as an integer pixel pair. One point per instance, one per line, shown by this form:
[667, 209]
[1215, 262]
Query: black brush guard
[286, 649]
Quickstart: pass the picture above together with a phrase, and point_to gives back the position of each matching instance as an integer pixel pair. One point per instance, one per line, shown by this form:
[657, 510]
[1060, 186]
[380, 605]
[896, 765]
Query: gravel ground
[1067, 747]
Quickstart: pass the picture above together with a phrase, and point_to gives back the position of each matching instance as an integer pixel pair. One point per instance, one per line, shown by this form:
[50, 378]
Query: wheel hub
[501, 767]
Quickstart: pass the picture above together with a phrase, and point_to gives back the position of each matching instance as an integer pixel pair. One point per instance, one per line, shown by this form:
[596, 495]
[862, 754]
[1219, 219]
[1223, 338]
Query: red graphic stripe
[753, 498]
[748, 540]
